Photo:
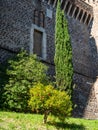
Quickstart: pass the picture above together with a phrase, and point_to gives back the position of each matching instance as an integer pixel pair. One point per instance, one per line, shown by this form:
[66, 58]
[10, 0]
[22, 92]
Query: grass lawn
[20, 121]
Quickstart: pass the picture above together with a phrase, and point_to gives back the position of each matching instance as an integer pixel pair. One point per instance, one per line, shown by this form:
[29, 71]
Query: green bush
[46, 100]
[24, 71]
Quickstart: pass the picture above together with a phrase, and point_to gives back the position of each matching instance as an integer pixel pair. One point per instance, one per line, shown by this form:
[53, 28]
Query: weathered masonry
[30, 24]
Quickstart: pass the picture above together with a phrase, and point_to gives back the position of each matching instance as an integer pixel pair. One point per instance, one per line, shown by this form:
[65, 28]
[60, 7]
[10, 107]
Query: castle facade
[30, 24]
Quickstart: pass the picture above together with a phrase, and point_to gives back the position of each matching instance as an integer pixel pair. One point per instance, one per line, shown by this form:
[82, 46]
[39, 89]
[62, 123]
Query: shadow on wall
[85, 94]
[3, 80]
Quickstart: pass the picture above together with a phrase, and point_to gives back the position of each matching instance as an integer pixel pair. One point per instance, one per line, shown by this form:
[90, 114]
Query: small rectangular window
[37, 48]
[39, 18]
[38, 41]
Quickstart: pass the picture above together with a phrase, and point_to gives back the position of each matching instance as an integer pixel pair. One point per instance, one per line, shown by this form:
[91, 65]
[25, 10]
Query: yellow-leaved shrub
[47, 99]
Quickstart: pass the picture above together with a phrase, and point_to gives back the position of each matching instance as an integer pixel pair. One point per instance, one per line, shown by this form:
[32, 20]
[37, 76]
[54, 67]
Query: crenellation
[79, 4]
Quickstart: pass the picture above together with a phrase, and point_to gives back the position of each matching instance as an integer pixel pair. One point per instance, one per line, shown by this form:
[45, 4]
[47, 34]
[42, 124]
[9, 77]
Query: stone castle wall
[16, 21]
[85, 70]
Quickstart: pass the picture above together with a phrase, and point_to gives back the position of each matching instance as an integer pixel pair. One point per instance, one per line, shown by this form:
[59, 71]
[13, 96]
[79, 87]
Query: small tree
[46, 100]
[63, 52]
[24, 71]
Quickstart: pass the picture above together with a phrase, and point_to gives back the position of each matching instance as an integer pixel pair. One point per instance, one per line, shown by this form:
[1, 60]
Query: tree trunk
[46, 116]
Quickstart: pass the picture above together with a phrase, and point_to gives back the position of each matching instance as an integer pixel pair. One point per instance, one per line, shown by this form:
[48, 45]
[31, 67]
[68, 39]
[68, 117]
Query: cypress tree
[63, 52]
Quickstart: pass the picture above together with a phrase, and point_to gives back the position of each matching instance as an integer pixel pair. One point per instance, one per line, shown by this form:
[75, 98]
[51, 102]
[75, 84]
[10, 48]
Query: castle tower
[93, 41]
[94, 30]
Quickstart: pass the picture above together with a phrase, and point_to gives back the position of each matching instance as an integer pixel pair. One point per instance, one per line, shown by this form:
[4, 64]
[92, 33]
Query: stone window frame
[44, 42]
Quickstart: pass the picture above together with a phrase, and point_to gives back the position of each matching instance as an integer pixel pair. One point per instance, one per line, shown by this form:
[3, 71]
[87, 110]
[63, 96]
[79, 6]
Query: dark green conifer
[63, 52]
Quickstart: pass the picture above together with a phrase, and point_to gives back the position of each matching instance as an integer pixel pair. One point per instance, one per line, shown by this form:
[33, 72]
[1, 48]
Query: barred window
[39, 18]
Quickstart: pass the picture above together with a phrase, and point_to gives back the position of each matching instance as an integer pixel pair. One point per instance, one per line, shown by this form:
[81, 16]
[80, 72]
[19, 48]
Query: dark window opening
[37, 47]
[39, 18]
